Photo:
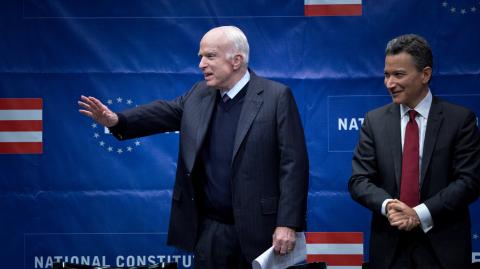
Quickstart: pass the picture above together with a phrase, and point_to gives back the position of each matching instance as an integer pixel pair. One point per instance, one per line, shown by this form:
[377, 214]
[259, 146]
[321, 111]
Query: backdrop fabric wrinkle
[88, 198]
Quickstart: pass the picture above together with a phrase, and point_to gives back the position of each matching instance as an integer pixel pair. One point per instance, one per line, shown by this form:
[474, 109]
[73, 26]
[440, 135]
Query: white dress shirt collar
[423, 108]
[238, 87]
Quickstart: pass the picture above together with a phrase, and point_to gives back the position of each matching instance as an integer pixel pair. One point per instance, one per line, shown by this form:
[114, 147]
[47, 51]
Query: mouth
[208, 76]
[395, 92]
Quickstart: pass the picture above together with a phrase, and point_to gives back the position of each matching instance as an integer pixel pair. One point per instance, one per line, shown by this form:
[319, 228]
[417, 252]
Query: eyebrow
[212, 52]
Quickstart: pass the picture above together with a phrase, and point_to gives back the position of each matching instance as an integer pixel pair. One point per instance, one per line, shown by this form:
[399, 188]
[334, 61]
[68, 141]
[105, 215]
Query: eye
[399, 74]
[210, 56]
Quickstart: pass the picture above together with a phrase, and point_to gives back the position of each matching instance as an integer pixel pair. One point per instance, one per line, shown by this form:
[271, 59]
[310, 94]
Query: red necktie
[409, 190]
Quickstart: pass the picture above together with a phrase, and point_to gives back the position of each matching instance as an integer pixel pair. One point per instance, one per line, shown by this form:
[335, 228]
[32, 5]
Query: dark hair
[414, 45]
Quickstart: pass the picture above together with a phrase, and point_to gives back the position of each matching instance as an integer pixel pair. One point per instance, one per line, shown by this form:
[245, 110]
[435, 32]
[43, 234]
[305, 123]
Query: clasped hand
[401, 215]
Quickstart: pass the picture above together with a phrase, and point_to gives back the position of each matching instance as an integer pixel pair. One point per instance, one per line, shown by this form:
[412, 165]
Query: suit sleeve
[363, 184]
[156, 117]
[294, 167]
[465, 172]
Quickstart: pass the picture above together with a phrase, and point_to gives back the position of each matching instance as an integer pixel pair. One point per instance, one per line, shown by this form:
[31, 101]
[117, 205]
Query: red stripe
[338, 260]
[21, 147]
[21, 103]
[333, 10]
[334, 237]
[20, 125]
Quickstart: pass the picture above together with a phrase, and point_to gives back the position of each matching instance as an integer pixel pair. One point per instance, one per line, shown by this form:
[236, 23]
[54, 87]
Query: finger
[277, 248]
[98, 105]
[402, 225]
[396, 216]
[290, 248]
[84, 105]
[410, 225]
[292, 245]
[392, 210]
[397, 222]
[86, 113]
[283, 250]
[86, 100]
[399, 208]
[90, 105]
[280, 248]
[275, 244]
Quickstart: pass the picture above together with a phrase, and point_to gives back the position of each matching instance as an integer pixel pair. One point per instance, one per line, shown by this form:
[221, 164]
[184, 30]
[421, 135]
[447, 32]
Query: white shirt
[423, 108]
[238, 86]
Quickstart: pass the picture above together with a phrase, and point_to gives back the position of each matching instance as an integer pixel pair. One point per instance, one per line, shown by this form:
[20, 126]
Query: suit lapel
[395, 140]
[251, 106]
[434, 122]
[203, 121]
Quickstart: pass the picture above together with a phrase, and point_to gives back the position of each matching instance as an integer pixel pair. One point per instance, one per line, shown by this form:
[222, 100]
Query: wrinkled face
[404, 82]
[217, 69]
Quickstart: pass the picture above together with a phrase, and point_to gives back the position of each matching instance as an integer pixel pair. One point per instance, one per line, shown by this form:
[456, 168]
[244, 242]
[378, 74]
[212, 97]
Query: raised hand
[99, 112]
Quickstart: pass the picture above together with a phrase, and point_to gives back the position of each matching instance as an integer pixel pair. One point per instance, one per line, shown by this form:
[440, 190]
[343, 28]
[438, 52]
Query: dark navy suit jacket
[450, 179]
[269, 162]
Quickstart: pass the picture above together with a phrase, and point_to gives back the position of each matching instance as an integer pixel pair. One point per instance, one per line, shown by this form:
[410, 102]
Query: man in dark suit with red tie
[242, 173]
[417, 168]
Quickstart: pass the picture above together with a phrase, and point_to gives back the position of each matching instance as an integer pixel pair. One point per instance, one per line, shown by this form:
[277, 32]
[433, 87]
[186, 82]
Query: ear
[427, 74]
[237, 61]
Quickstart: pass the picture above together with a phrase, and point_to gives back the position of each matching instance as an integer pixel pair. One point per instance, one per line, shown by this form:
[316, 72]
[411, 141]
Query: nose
[389, 82]
[202, 64]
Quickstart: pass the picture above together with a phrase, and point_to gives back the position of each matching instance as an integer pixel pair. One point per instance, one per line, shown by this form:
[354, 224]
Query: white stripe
[344, 267]
[334, 249]
[21, 114]
[333, 2]
[20, 136]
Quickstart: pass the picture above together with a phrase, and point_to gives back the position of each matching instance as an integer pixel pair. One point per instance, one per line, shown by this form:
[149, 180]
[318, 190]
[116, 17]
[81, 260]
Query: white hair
[239, 42]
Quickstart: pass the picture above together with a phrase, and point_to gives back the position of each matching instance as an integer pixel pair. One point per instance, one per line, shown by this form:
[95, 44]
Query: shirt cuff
[384, 206]
[425, 217]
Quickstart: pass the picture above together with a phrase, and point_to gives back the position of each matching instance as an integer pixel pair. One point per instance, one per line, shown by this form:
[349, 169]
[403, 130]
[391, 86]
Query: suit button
[187, 174]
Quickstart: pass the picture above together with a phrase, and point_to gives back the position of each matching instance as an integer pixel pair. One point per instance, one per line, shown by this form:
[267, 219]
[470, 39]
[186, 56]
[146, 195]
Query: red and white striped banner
[21, 126]
[333, 7]
[340, 250]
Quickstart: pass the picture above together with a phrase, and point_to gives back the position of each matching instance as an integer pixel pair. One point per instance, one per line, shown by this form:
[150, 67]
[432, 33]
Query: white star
[129, 101]
[463, 11]
[453, 10]
[119, 99]
[96, 135]
[94, 125]
[475, 236]
[473, 9]
[444, 4]
[137, 143]
[110, 149]
[119, 151]
[109, 101]
[101, 143]
[129, 149]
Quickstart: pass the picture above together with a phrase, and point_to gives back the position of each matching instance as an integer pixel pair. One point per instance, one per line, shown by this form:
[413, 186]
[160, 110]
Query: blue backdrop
[90, 198]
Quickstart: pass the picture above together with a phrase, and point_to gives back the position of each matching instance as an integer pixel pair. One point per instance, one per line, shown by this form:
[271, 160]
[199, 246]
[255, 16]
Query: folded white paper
[268, 259]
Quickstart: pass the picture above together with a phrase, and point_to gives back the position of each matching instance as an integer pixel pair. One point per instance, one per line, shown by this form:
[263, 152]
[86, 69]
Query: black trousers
[218, 247]
[415, 251]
